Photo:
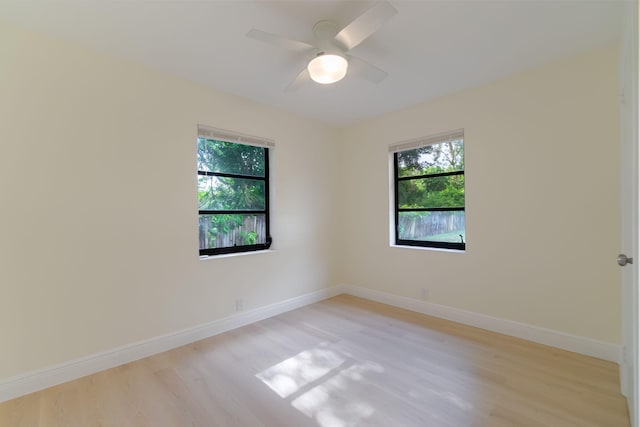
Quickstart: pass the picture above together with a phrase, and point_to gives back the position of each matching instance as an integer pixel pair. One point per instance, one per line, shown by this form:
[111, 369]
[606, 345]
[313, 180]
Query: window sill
[424, 248]
[210, 257]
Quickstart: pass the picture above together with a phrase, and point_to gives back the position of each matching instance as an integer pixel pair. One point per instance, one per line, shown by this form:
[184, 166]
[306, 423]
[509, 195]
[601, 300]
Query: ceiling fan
[328, 57]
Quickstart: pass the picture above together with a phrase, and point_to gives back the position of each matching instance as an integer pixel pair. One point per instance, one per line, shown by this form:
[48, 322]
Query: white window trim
[428, 140]
[231, 136]
[409, 145]
[209, 132]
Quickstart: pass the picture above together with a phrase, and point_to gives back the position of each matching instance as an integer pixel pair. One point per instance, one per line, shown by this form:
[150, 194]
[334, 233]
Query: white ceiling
[430, 48]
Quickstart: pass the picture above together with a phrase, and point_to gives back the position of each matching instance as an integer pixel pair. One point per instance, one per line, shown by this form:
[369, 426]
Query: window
[429, 207]
[233, 192]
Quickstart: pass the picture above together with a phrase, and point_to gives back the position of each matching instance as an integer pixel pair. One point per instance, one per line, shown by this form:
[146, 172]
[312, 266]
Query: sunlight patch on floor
[326, 403]
[287, 377]
[317, 383]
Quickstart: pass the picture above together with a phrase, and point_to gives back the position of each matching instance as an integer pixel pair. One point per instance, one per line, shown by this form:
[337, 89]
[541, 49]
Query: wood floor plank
[341, 362]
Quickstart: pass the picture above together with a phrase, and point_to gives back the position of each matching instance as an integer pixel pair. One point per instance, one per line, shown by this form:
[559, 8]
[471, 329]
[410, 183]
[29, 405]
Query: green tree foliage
[446, 191]
[229, 157]
[223, 193]
[229, 193]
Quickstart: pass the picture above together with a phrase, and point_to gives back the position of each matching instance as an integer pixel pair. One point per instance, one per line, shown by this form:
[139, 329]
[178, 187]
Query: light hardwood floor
[341, 362]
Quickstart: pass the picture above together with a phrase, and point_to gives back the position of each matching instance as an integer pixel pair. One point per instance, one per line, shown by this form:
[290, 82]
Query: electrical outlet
[239, 304]
[424, 293]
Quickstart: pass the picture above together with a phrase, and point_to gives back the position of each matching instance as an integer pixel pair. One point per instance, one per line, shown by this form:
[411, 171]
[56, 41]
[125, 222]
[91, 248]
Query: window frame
[414, 144]
[236, 138]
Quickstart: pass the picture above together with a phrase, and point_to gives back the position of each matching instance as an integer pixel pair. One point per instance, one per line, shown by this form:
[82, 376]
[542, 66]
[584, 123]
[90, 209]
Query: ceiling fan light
[327, 69]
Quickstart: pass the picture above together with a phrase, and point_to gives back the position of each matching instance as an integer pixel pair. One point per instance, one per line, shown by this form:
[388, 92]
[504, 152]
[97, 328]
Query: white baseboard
[626, 387]
[48, 377]
[43, 378]
[626, 374]
[565, 341]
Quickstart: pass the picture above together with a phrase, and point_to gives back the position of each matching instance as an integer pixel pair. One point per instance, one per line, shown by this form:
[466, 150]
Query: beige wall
[542, 195]
[98, 224]
[98, 220]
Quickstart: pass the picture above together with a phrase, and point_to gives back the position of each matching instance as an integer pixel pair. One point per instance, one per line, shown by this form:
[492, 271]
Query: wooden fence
[252, 230]
[419, 225]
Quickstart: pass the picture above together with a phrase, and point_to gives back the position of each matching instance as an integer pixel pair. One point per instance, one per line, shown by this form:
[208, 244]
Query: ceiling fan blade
[362, 69]
[365, 25]
[280, 41]
[302, 78]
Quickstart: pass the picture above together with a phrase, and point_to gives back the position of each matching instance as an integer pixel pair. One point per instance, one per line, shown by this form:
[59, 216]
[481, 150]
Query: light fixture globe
[327, 68]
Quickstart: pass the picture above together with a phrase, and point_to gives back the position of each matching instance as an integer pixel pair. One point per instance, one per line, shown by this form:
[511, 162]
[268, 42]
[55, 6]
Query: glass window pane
[441, 226]
[228, 230]
[218, 193]
[229, 157]
[436, 158]
[437, 192]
